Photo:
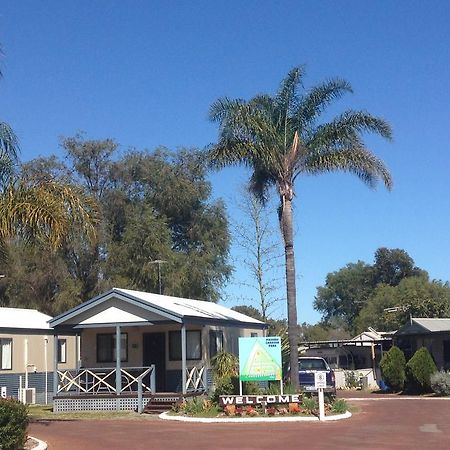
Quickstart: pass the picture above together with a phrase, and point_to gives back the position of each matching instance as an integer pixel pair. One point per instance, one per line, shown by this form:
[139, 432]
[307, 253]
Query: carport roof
[173, 308]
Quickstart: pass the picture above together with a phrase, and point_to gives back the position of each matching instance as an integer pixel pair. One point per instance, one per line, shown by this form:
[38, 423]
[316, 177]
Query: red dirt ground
[393, 423]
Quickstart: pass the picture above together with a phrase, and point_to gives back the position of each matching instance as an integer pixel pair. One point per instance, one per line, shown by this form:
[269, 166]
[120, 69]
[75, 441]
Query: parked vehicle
[306, 370]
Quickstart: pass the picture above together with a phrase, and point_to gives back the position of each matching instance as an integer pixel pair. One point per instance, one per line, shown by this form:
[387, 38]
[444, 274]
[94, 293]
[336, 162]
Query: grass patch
[45, 412]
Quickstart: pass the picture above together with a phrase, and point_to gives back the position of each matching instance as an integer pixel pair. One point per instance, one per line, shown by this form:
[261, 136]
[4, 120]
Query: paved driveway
[380, 423]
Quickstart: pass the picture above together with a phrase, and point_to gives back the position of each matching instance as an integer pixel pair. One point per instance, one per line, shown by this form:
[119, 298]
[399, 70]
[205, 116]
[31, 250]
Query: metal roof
[21, 318]
[426, 325]
[172, 308]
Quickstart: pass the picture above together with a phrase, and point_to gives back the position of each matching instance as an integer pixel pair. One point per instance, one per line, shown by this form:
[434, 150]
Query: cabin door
[154, 352]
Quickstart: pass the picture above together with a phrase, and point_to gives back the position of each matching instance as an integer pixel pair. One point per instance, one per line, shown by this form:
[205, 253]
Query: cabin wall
[38, 343]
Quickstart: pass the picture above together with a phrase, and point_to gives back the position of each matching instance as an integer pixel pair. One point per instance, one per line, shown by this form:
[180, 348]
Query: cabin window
[62, 350]
[5, 353]
[193, 345]
[215, 342]
[106, 347]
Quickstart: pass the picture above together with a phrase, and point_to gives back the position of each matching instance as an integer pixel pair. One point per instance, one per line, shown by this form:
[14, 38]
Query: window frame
[173, 338]
[10, 355]
[111, 358]
[62, 342]
[213, 335]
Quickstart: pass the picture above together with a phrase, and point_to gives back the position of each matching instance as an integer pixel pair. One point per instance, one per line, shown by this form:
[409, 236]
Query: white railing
[103, 380]
[196, 379]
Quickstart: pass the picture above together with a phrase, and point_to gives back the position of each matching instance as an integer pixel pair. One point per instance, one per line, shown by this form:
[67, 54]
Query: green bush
[440, 383]
[339, 406]
[13, 424]
[419, 370]
[351, 379]
[310, 404]
[392, 367]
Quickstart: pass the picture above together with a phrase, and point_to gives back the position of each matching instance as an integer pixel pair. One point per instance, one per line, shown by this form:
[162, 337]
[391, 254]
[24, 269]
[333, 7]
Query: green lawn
[44, 412]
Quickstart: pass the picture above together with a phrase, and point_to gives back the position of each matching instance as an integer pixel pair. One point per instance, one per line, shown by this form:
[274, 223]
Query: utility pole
[159, 262]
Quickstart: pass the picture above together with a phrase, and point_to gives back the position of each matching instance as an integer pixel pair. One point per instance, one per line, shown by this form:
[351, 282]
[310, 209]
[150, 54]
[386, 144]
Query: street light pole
[159, 262]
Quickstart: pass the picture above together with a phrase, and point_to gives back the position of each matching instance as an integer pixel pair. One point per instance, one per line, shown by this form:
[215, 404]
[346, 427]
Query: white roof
[23, 319]
[129, 306]
[184, 307]
[434, 325]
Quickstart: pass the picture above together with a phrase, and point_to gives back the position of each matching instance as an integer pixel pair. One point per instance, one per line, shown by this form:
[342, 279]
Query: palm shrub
[440, 383]
[419, 370]
[13, 424]
[392, 367]
[225, 368]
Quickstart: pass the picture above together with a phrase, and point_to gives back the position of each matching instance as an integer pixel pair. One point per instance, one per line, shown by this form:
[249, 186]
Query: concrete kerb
[167, 416]
[41, 444]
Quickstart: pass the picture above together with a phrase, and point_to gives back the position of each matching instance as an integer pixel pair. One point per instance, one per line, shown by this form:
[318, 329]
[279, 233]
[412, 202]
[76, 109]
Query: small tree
[393, 368]
[419, 370]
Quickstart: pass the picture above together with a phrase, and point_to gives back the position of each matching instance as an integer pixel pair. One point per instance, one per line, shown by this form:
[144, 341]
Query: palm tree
[280, 138]
[43, 210]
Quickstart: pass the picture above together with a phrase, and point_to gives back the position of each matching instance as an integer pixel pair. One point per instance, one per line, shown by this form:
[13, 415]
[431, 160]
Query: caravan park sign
[260, 359]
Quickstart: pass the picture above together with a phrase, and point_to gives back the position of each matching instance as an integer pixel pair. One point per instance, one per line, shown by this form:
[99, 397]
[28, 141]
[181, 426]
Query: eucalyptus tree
[282, 137]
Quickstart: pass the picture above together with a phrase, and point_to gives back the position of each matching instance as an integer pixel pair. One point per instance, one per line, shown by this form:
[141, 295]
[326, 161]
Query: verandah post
[118, 362]
[183, 358]
[55, 365]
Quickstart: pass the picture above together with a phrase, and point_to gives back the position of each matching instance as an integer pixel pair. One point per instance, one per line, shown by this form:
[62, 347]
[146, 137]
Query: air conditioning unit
[28, 396]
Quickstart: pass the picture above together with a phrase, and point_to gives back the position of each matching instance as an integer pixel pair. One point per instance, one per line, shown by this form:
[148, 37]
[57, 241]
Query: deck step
[159, 403]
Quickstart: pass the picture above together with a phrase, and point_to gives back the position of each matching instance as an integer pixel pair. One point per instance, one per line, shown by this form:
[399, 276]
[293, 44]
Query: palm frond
[46, 211]
[288, 87]
[346, 130]
[260, 183]
[9, 144]
[357, 160]
[319, 97]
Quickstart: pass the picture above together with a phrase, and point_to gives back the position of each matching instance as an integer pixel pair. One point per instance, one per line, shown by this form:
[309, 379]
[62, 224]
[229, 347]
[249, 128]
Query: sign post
[320, 382]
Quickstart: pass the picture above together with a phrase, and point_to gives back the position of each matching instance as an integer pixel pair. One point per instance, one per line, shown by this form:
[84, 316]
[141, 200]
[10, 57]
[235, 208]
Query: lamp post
[159, 262]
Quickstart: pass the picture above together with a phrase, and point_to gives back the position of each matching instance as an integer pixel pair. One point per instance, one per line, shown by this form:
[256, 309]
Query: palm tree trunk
[288, 236]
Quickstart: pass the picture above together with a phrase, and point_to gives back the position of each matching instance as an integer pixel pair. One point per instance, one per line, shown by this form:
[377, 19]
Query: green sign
[260, 359]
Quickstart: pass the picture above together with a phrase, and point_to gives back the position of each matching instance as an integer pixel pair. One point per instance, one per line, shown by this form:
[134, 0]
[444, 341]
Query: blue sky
[145, 73]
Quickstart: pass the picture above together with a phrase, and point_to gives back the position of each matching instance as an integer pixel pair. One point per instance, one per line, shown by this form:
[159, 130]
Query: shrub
[339, 406]
[224, 386]
[440, 383]
[351, 379]
[13, 424]
[393, 368]
[419, 370]
[310, 405]
[225, 365]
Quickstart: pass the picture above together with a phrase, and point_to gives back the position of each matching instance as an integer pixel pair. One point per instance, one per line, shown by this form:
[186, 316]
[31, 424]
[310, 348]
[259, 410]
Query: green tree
[416, 296]
[392, 265]
[345, 293]
[358, 293]
[393, 364]
[153, 205]
[250, 311]
[280, 138]
[419, 370]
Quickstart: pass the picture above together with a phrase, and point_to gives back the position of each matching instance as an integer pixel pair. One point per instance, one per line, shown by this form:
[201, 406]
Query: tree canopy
[359, 293]
[153, 206]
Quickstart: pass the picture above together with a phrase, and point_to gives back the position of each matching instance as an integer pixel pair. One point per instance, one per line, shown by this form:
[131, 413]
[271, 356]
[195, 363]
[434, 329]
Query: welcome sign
[260, 359]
